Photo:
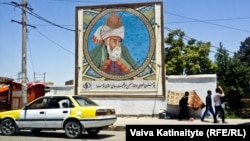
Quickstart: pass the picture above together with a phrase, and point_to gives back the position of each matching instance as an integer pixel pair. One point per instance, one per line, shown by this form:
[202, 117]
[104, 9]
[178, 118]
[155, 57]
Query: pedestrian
[218, 103]
[184, 111]
[209, 107]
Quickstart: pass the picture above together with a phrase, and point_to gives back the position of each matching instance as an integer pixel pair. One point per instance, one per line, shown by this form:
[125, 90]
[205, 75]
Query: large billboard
[120, 49]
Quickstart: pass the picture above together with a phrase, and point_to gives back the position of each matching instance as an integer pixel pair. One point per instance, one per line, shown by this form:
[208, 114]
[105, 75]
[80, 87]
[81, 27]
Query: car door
[33, 115]
[56, 113]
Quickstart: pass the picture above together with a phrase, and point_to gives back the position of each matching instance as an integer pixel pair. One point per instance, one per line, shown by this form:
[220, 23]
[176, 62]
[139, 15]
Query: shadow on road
[60, 134]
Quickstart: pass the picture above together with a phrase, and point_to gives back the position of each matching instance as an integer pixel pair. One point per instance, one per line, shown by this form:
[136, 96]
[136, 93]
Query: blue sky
[51, 49]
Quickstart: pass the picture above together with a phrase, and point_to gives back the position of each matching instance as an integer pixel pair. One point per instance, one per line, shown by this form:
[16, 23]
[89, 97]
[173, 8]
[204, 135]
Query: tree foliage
[244, 59]
[234, 76]
[187, 58]
[244, 52]
[222, 59]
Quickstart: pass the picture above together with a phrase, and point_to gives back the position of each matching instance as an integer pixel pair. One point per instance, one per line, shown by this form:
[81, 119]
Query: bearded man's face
[114, 48]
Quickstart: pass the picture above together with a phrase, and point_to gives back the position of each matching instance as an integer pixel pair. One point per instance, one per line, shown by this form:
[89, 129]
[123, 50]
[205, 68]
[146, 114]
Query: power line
[31, 58]
[24, 23]
[45, 20]
[29, 10]
[209, 22]
[216, 20]
[55, 42]
[79, 1]
[167, 28]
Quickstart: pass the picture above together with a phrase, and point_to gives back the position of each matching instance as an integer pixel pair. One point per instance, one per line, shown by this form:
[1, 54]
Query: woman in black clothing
[184, 111]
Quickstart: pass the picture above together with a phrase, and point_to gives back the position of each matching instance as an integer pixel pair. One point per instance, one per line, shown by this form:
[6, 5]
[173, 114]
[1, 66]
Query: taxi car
[74, 114]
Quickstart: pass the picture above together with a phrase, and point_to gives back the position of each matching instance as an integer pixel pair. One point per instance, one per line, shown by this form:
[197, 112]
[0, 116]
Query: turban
[112, 28]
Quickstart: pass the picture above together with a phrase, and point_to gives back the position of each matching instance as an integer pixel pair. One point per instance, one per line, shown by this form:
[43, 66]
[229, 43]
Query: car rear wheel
[73, 129]
[93, 131]
[8, 127]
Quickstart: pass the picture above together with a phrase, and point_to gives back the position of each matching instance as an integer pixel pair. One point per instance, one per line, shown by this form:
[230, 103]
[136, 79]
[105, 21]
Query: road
[60, 136]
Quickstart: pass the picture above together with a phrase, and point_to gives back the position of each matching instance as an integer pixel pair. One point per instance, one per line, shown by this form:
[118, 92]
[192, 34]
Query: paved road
[117, 131]
[60, 136]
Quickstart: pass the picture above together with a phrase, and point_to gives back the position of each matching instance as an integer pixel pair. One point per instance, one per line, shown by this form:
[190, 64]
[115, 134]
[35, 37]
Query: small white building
[62, 90]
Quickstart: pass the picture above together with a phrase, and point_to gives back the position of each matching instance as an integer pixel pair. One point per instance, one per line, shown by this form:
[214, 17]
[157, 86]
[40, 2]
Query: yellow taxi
[74, 114]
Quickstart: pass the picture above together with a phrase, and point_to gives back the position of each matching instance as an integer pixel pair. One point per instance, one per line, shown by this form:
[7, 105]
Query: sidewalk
[121, 122]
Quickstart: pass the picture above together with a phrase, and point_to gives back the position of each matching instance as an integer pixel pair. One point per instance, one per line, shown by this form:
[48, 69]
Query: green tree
[232, 75]
[244, 53]
[174, 58]
[190, 58]
[244, 56]
[222, 59]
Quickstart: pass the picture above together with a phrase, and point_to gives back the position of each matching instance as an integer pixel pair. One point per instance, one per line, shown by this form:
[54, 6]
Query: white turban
[104, 32]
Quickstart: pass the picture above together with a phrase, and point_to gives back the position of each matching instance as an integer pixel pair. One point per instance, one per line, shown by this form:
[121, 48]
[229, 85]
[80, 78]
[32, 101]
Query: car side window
[60, 102]
[65, 102]
[53, 103]
[65, 105]
[38, 104]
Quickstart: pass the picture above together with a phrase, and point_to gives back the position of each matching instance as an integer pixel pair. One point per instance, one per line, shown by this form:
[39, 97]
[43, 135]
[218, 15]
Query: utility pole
[24, 53]
[24, 50]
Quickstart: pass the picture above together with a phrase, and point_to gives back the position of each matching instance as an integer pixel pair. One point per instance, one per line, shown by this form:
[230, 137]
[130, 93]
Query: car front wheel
[73, 129]
[8, 127]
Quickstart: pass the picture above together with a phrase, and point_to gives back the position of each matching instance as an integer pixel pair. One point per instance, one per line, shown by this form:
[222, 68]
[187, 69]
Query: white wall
[149, 106]
[199, 83]
[133, 106]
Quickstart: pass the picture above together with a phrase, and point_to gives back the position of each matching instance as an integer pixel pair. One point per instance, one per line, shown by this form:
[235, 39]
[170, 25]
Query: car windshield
[84, 101]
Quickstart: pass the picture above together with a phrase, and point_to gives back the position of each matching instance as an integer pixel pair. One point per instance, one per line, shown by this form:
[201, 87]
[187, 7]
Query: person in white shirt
[218, 104]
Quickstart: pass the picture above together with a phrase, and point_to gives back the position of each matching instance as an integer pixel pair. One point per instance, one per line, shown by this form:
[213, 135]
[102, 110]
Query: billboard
[120, 49]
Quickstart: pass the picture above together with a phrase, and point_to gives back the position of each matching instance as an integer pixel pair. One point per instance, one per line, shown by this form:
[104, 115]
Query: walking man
[209, 107]
[218, 104]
